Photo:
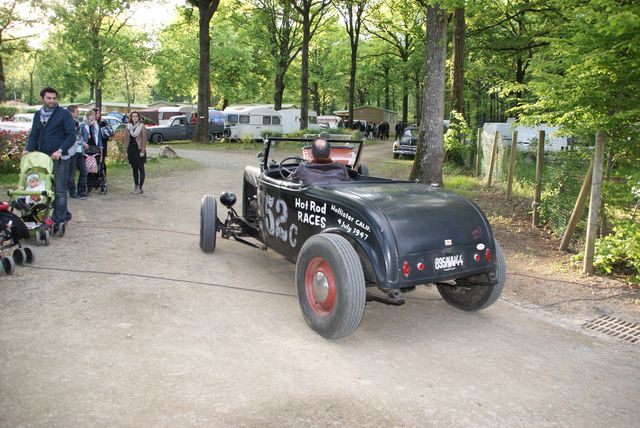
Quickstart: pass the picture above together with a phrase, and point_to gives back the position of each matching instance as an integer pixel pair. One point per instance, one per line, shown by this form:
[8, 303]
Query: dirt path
[125, 322]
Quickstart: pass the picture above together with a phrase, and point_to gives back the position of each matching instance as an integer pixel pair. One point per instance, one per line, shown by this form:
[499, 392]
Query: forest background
[570, 63]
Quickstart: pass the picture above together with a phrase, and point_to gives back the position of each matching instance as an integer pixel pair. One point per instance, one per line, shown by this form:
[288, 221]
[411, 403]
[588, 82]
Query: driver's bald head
[321, 149]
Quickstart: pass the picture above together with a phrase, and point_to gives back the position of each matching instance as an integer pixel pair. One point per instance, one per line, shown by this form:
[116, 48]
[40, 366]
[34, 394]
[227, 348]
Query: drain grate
[624, 330]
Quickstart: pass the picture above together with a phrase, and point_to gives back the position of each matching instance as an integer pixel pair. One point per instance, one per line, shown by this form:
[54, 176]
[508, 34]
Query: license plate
[448, 262]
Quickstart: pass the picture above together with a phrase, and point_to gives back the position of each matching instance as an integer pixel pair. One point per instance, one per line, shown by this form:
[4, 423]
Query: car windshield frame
[295, 147]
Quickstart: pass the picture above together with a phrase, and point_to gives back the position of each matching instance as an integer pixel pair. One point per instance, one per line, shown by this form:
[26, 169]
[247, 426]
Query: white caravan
[553, 142]
[251, 121]
[291, 120]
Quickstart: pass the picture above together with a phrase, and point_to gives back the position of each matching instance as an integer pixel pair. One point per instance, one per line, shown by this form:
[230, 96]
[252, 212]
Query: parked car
[115, 123]
[180, 128]
[408, 142]
[365, 239]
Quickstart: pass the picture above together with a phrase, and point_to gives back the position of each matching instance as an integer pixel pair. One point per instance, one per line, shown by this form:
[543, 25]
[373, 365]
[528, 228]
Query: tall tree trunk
[98, 89]
[416, 81]
[427, 166]
[457, 65]
[352, 80]
[304, 72]
[204, 82]
[387, 101]
[92, 90]
[405, 98]
[3, 88]
[279, 87]
[315, 91]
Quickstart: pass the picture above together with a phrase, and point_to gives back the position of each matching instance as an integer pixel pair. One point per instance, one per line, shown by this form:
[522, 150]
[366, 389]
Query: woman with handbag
[135, 140]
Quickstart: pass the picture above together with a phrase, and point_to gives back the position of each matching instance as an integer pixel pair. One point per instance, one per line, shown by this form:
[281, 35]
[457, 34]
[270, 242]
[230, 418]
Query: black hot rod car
[368, 232]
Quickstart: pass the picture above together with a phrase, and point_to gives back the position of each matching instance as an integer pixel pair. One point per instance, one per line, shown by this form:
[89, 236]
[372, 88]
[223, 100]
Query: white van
[330, 121]
[291, 120]
[251, 121]
[166, 113]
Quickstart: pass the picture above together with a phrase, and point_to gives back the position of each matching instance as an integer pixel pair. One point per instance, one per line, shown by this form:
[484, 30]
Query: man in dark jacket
[321, 169]
[53, 132]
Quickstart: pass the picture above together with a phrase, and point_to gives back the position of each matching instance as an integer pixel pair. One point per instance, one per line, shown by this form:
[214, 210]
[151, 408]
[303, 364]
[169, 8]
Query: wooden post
[494, 149]
[479, 153]
[512, 163]
[594, 204]
[538, 193]
[578, 209]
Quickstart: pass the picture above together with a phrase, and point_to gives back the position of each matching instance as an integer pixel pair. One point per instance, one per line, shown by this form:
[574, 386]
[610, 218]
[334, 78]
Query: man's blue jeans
[61, 176]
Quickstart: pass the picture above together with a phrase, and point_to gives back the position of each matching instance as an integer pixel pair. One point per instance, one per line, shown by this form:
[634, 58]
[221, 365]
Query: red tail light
[476, 257]
[420, 266]
[406, 269]
[487, 255]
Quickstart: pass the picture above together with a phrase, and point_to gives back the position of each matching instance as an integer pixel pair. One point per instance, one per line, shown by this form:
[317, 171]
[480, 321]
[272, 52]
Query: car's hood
[158, 127]
[421, 216]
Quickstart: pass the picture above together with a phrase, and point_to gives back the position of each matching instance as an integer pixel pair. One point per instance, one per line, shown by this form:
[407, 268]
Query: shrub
[115, 148]
[11, 146]
[620, 251]
[7, 110]
[455, 149]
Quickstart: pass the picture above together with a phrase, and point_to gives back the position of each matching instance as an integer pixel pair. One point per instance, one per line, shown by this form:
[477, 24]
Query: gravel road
[125, 322]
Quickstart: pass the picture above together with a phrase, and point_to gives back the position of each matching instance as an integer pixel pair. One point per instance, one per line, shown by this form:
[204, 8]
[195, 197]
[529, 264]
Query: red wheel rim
[320, 286]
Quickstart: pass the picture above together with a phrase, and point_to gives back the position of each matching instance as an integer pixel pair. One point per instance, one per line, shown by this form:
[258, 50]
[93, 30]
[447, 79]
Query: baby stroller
[35, 207]
[12, 229]
[96, 169]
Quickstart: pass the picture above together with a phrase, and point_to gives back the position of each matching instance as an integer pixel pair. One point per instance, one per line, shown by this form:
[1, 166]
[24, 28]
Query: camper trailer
[166, 113]
[291, 120]
[252, 121]
[553, 142]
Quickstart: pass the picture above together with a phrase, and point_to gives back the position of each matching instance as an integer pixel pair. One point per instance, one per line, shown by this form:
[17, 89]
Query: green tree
[93, 35]
[589, 79]
[284, 35]
[10, 42]
[353, 16]
[311, 13]
[399, 23]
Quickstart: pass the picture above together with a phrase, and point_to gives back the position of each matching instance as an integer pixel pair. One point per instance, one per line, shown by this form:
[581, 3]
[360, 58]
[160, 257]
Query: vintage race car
[368, 239]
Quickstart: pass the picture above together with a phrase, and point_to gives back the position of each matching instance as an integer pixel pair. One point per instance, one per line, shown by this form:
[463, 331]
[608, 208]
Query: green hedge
[7, 110]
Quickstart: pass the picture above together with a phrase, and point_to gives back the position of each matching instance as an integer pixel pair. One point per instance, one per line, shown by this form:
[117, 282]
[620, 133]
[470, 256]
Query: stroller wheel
[8, 265]
[31, 257]
[19, 256]
[62, 229]
[39, 238]
[46, 236]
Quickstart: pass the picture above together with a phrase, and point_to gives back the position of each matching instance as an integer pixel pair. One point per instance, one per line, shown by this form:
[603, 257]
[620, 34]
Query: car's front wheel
[157, 138]
[208, 218]
[330, 285]
[396, 155]
[476, 297]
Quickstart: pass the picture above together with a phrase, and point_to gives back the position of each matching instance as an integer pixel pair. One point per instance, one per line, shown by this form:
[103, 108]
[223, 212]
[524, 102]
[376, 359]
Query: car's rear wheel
[226, 133]
[330, 285]
[208, 218]
[157, 138]
[212, 138]
[476, 297]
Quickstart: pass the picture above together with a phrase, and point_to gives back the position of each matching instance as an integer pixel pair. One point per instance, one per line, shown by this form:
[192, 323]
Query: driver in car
[321, 168]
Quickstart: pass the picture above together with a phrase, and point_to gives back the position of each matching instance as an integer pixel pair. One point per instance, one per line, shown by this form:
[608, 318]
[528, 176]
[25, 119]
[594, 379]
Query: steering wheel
[289, 164]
